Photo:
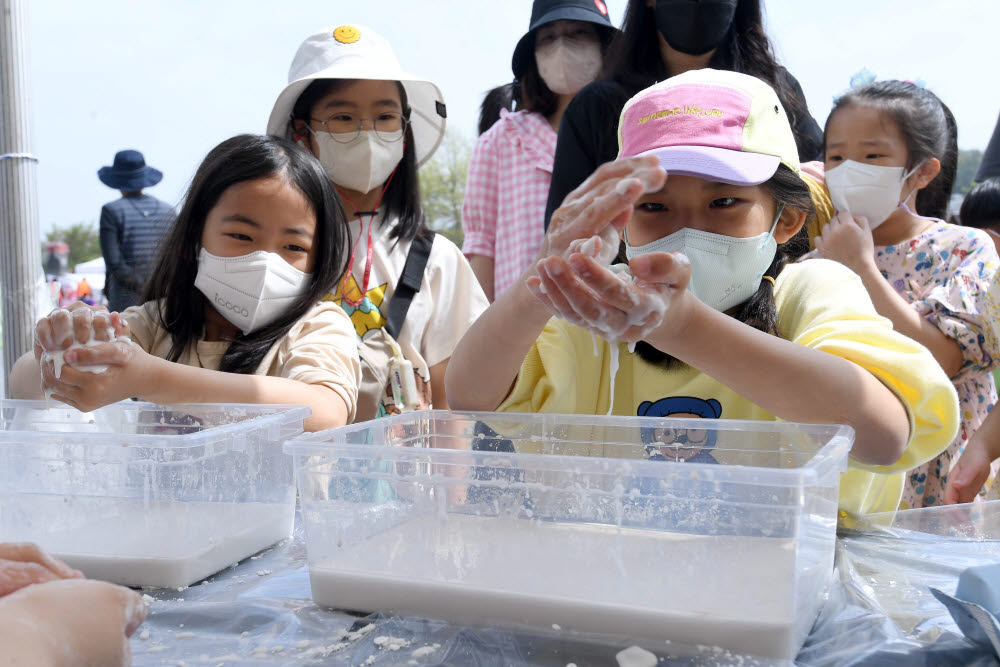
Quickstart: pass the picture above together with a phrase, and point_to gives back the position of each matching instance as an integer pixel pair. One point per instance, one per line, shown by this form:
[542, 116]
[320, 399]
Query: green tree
[83, 239]
[968, 162]
[442, 185]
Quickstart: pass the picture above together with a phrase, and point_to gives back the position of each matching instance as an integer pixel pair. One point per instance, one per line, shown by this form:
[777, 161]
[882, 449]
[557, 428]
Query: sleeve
[457, 300]
[824, 306]
[479, 210]
[323, 350]
[958, 306]
[547, 380]
[143, 325]
[808, 135]
[586, 121]
[110, 229]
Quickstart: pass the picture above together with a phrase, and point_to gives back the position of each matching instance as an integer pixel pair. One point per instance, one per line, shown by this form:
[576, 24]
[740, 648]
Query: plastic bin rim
[284, 415]
[831, 457]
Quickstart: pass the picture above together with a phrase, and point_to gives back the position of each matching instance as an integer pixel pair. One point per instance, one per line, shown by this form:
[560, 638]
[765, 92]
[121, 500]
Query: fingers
[55, 332]
[83, 324]
[15, 576]
[607, 284]
[120, 325]
[617, 170]
[28, 552]
[102, 329]
[107, 354]
[673, 269]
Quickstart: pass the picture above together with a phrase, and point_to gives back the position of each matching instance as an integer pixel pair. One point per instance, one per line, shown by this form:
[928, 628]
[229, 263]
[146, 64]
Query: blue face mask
[725, 270]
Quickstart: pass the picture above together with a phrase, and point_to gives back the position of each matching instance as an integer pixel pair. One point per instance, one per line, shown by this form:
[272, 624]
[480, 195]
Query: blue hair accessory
[862, 77]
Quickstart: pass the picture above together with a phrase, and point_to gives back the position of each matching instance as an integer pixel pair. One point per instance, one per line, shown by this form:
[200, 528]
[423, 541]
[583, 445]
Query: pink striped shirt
[503, 215]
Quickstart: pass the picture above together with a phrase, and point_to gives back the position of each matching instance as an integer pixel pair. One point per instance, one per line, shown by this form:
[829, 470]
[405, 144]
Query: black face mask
[694, 27]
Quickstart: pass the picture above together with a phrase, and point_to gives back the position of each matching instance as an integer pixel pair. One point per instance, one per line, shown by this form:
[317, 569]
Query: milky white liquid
[733, 592]
[162, 544]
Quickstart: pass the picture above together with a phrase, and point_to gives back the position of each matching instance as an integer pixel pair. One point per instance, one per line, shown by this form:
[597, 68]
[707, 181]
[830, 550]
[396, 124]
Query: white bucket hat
[358, 52]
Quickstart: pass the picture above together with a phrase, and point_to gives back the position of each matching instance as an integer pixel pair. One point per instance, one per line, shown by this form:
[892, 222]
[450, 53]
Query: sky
[174, 78]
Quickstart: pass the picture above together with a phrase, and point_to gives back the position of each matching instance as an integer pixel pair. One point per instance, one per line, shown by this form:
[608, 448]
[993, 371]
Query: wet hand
[599, 208]
[78, 323]
[612, 304]
[848, 240]
[127, 368]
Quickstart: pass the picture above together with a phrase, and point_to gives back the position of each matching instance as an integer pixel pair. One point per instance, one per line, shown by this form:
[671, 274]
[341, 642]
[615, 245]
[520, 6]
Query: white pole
[20, 243]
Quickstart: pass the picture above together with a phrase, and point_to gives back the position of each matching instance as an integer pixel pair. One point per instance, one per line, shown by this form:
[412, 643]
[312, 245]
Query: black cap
[547, 11]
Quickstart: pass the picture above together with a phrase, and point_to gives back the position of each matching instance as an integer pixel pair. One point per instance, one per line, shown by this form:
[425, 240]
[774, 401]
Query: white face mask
[363, 164]
[725, 270]
[567, 65]
[251, 291]
[867, 190]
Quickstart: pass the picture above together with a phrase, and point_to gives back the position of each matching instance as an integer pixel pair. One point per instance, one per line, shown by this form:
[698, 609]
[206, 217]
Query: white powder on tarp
[734, 592]
[635, 656]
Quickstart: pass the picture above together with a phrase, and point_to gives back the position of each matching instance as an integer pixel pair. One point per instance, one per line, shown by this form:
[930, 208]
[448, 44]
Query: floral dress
[945, 273]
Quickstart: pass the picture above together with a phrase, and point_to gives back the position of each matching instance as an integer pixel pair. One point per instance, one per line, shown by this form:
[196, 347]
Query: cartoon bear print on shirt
[680, 444]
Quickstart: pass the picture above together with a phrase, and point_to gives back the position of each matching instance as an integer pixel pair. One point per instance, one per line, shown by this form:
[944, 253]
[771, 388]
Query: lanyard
[368, 261]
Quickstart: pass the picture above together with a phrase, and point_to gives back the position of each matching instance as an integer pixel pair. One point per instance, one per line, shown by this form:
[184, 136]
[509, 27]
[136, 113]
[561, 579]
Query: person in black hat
[511, 165]
[131, 228]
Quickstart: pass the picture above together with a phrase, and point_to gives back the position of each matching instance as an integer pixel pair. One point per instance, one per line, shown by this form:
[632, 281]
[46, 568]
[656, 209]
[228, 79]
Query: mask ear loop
[902, 204]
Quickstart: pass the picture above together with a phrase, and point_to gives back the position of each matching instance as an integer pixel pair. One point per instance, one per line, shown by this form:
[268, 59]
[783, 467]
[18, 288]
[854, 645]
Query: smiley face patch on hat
[347, 34]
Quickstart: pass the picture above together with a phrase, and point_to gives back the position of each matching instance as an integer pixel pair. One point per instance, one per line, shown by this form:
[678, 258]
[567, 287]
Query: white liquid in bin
[164, 544]
[677, 587]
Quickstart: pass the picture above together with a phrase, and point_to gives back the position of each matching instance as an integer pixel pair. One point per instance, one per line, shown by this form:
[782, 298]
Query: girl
[660, 39]
[719, 317]
[511, 165]
[371, 125]
[233, 312]
[891, 150]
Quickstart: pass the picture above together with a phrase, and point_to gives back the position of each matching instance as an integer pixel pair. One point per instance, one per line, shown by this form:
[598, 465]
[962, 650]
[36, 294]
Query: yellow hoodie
[822, 305]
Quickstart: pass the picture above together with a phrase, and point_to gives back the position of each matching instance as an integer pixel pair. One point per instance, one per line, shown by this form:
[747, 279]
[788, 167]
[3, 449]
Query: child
[233, 313]
[719, 314]
[504, 210]
[371, 125]
[890, 151]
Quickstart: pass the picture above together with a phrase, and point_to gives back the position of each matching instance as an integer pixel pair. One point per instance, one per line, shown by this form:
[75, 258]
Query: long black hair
[402, 198]
[243, 158]
[634, 61]
[981, 207]
[926, 124]
[759, 311]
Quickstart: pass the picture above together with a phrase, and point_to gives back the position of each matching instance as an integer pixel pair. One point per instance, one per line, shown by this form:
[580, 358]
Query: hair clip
[862, 77]
[919, 83]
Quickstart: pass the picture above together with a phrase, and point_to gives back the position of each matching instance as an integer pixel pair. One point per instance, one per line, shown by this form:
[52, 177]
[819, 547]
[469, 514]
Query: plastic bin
[647, 529]
[143, 494]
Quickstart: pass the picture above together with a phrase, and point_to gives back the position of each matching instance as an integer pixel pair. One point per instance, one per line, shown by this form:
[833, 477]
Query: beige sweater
[321, 348]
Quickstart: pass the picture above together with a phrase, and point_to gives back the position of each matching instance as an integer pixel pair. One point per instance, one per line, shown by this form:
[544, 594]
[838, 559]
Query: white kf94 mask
[867, 190]
[251, 291]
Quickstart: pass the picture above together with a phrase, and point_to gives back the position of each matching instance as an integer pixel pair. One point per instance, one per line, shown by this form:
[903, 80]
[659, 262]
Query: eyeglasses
[345, 127]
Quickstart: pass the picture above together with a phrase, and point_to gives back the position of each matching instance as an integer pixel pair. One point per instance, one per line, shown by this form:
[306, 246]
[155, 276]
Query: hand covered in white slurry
[579, 284]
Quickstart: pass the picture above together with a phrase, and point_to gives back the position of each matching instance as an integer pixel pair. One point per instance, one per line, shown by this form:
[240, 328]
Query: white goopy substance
[159, 544]
[636, 656]
[58, 357]
[731, 591]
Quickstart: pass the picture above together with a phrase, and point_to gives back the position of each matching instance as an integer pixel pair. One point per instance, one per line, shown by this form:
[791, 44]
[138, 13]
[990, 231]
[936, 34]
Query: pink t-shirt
[503, 216]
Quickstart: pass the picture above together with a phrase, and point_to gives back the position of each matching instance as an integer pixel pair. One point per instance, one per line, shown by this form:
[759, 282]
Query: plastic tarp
[880, 611]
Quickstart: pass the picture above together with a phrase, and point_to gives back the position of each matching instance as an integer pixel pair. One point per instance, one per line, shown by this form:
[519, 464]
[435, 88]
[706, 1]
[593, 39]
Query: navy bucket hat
[547, 11]
[129, 172]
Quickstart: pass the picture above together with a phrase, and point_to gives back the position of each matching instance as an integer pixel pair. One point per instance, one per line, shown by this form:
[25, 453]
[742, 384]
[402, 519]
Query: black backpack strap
[409, 284]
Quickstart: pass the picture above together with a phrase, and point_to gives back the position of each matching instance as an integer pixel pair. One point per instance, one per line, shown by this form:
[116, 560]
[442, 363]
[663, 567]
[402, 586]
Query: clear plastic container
[693, 531]
[143, 494]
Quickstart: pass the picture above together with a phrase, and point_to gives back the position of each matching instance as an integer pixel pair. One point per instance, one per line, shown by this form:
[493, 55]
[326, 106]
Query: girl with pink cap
[708, 304]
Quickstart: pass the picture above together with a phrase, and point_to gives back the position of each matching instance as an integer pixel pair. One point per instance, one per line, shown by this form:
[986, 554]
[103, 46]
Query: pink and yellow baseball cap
[713, 124]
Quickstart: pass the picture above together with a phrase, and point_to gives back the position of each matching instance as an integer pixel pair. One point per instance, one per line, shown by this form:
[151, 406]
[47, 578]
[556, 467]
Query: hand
[76, 323]
[23, 564]
[969, 474]
[600, 207]
[70, 622]
[612, 305]
[127, 374]
[848, 240]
